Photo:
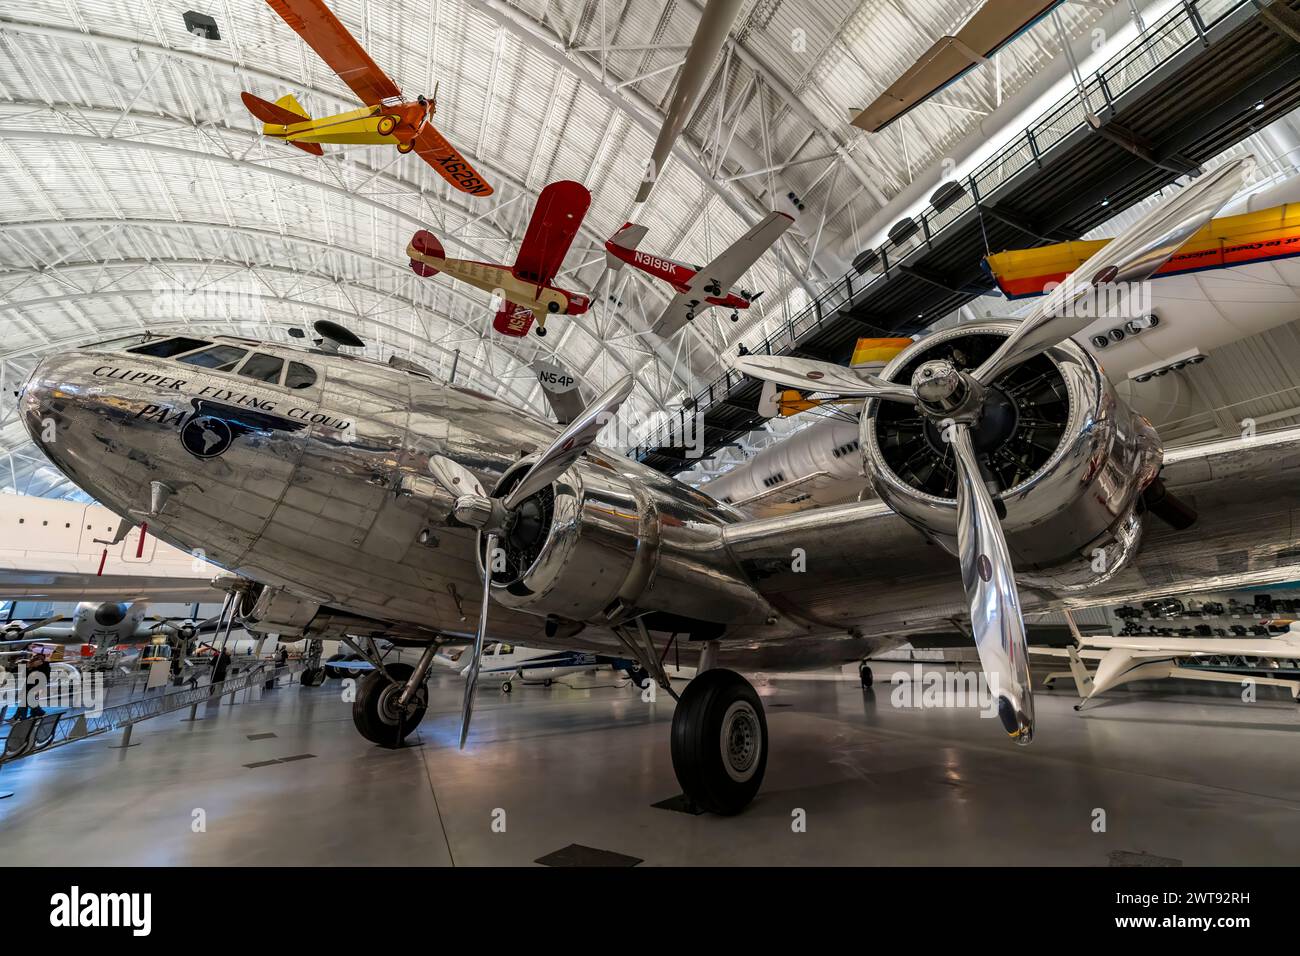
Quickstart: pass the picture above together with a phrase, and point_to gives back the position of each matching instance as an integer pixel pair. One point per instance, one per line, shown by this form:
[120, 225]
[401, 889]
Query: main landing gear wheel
[375, 710]
[506, 687]
[312, 676]
[541, 330]
[735, 317]
[719, 742]
[690, 316]
[406, 147]
[386, 125]
[864, 675]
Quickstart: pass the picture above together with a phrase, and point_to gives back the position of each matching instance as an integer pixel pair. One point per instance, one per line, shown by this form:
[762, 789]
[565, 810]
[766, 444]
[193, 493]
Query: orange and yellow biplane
[385, 119]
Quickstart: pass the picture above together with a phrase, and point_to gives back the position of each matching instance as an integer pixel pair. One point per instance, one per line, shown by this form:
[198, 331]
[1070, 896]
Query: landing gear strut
[719, 741]
[313, 674]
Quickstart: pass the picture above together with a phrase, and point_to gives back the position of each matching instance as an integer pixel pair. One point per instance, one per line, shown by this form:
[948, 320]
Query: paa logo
[77, 909]
[206, 437]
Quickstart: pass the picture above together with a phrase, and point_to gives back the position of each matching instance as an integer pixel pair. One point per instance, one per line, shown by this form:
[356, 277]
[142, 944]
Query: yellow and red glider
[1226, 242]
[386, 117]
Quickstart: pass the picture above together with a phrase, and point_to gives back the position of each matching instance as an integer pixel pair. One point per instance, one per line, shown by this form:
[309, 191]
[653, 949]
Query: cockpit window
[219, 358]
[166, 348]
[263, 368]
[299, 376]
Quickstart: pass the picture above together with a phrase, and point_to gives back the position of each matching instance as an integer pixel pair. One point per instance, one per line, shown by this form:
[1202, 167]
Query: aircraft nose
[58, 407]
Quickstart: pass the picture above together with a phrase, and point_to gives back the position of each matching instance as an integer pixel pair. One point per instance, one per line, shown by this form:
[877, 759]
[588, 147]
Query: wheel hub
[388, 708]
[741, 741]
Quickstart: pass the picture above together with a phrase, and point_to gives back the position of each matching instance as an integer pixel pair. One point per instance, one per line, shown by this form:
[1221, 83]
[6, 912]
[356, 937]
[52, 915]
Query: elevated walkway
[1196, 83]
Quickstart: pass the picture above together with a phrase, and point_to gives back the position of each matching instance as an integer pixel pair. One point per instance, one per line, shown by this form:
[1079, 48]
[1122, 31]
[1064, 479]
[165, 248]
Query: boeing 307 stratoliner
[357, 500]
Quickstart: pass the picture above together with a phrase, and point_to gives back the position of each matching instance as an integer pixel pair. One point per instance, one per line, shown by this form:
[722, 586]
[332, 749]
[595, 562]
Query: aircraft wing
[432, 147]
[326, 34]
[73, 585]
[710, 35]
[994, 25]
[556, 219]
[730, 267]
[1281, 646]
[674, 314]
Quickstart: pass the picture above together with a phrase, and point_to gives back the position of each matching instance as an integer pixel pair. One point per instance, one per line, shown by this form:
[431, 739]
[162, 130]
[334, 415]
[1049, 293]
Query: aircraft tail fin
[627, 238]
[426, 253]
[283, 112]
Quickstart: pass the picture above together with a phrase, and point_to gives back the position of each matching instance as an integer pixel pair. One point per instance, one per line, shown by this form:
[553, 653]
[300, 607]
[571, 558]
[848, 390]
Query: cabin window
[299, 376]
[219, 358]
[263, 368]
[166, 348]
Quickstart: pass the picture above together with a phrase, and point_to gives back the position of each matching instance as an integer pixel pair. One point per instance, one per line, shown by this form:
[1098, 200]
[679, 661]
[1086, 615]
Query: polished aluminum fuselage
[341, 511]
[337, 506]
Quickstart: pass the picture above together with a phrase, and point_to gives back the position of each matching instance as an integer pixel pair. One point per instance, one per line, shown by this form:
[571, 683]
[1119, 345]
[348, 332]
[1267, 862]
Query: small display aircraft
[525, 287]
[386, 117]
[1121, 660]
[698, 287]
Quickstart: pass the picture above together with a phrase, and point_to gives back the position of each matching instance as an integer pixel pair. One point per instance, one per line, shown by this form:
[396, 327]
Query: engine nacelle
[274, 611]
[1071, 459]
[601, 541]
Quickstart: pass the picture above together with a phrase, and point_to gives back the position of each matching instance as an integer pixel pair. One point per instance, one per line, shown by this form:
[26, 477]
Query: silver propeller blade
[471, 678]
[576, 438]
[459, 481]
[1132, 256]
[990, 584]
[821, 377]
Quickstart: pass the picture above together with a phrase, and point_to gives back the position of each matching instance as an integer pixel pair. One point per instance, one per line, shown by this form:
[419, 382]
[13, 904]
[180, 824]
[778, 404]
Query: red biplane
[385, 119]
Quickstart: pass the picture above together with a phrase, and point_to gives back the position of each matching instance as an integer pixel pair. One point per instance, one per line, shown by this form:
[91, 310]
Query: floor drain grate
[575, 854]
[260, 736]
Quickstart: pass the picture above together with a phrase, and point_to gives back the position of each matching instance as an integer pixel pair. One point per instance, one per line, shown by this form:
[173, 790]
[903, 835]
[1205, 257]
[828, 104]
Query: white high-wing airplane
[702, 287]
[1121, 660]
[358, 500]
[531, 665]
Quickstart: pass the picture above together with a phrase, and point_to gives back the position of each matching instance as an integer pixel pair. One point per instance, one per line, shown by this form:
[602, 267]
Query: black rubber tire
[541, 330]
[865, 676]
[307, 677]
[697, 745]
[365, 709]
[507, 686]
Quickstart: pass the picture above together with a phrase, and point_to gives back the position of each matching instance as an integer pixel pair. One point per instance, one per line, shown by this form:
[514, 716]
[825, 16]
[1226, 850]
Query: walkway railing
[1185, 27]
[38, 734]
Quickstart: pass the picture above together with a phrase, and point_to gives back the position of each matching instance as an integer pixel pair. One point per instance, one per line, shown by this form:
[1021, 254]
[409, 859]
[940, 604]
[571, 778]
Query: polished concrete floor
[1182, 775]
